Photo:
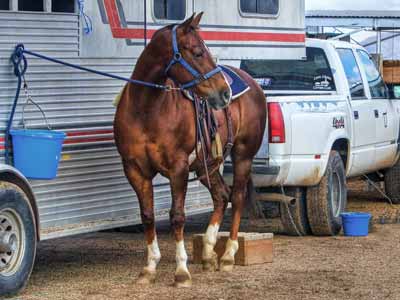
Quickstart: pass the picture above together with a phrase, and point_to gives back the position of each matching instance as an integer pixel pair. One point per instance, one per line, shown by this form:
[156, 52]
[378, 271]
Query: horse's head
[191, 64]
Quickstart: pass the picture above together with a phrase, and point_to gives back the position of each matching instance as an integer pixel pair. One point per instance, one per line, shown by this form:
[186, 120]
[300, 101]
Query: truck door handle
[385, 119]
[356, 115]
[376, 113]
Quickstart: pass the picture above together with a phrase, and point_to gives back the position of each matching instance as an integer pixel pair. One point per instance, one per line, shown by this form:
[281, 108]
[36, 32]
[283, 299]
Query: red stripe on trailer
[80, 133]
[88, 140]
[235, 36]
[252, 36]
[78, 137]
[112, 13]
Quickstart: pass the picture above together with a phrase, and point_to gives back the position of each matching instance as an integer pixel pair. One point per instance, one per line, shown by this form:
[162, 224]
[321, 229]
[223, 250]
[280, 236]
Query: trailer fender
[12, 175]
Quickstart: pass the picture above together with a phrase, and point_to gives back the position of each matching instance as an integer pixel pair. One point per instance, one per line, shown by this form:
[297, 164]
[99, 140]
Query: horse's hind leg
[241, 175]
[178, 181]
[220, 195]
[143, 187]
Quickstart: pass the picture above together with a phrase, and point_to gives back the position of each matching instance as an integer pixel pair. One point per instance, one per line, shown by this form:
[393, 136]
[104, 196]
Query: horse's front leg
[241, 175]
[143, 187]
[179, 180]
[220, 195]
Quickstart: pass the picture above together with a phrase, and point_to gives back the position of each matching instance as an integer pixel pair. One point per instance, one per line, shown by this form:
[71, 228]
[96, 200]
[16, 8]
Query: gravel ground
[104, 266]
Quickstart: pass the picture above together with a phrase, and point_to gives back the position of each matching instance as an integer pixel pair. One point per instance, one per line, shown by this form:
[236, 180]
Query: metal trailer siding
[230, 34]
[90, 191]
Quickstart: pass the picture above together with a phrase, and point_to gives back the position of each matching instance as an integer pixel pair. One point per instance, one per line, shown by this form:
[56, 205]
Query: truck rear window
[312, 74]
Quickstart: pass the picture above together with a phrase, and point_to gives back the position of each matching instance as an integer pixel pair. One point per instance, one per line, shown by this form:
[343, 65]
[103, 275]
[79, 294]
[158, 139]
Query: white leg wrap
[181, 257]
[153, 255]
[209, 240]
[232, 247]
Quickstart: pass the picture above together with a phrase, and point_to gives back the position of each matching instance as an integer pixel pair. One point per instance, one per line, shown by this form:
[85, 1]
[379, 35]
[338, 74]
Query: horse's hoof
[146, 278]
[211, 263]
[226, 265]
[183, 280]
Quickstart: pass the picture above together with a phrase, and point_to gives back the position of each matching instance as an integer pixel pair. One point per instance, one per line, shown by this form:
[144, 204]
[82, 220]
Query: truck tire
[17, 239]
[294, 217]
[327, 200]
[392, 183]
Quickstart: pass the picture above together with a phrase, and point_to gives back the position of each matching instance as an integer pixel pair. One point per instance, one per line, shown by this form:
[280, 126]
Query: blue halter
[177, 58]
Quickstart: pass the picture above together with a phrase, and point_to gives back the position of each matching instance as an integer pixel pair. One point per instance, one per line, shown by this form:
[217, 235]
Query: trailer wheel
[294, 218]
[17, 239]
[392, 183]
[327, 200]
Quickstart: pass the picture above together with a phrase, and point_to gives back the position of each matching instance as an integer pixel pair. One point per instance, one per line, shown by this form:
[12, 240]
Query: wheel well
[342, 146]
[22, 184]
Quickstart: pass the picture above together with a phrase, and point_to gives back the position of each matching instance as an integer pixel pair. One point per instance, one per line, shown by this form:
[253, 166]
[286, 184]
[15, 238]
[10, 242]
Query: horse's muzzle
[221, 99]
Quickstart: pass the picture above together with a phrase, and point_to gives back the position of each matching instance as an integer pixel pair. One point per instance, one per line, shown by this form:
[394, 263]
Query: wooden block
[254, 248]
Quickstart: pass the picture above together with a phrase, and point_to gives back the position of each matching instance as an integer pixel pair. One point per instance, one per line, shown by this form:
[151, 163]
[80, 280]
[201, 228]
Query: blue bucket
[37, 152]
[355, 223]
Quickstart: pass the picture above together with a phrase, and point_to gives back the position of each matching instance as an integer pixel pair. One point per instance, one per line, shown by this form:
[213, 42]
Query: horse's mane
[162, 30]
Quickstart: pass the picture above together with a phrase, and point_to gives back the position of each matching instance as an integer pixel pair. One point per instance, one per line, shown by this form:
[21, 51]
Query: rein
[207, 134]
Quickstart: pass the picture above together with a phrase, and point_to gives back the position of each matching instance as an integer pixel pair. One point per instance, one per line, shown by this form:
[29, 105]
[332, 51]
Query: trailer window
[30, 5]
[312, 74]
[261, 7]
[170, 9]
[4, 5]
[375, 81]
[352, 72]
[66, 6]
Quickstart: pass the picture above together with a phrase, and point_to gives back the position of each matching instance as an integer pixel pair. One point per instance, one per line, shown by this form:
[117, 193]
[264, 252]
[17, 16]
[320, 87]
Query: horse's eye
[198, 54]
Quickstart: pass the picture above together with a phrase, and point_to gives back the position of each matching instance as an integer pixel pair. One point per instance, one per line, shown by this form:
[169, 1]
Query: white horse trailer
[90, 192]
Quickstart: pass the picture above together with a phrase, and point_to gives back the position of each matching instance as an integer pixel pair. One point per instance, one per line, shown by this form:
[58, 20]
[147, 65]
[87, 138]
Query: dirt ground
[104, 265]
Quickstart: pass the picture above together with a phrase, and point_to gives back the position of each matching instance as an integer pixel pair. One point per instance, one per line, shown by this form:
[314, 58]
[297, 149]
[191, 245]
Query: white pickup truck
[330, 118]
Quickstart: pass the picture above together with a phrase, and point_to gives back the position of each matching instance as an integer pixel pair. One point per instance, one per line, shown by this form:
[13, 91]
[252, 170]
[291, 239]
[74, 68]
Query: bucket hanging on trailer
[36, 152]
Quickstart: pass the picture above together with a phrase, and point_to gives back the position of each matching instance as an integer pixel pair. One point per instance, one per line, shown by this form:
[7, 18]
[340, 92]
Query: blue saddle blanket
[237, 84]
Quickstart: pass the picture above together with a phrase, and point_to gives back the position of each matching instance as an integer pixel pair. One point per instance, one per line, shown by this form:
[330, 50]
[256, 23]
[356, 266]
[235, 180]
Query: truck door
[385, 121]
[363, 118]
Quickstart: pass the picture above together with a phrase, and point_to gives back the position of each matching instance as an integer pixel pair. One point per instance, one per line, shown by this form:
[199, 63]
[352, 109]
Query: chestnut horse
[155, 132]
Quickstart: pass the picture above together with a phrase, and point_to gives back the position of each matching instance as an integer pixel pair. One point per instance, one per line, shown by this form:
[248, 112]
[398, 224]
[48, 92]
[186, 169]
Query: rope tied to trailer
[19, 60]
[18, 57]
[20, 64]
[88, 26]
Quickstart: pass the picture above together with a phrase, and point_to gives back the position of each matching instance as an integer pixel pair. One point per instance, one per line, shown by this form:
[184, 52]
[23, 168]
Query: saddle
[208, 140]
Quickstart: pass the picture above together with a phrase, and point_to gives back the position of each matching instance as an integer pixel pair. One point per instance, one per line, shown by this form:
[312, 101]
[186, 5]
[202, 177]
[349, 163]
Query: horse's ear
[196, 20]
[192, 23]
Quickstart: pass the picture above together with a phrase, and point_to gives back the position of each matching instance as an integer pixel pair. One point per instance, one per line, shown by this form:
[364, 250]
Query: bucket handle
[29, 99]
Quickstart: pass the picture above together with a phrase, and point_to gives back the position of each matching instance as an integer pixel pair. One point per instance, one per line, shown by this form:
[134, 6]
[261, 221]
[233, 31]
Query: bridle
[177, 58]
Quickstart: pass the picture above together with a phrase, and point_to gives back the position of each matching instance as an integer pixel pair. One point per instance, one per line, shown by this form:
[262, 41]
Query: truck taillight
[276, 124]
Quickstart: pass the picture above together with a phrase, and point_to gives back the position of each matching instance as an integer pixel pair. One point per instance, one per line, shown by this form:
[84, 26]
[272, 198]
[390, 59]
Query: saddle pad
[237, 84]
